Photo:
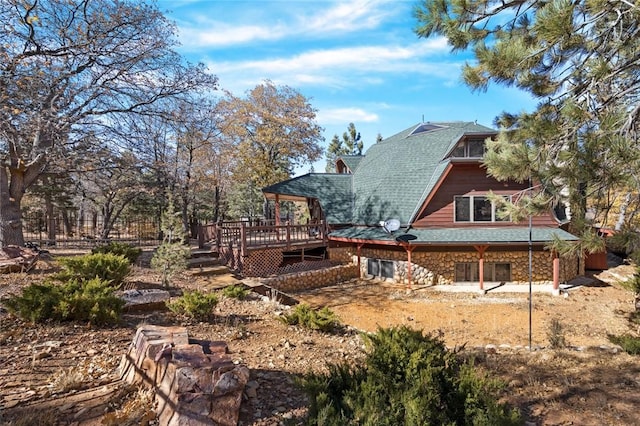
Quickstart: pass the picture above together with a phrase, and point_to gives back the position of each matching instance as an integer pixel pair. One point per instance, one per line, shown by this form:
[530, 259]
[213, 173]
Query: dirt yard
[64, 374]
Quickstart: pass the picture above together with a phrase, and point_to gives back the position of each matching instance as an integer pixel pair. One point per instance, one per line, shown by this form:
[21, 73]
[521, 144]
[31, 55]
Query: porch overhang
[498, 236]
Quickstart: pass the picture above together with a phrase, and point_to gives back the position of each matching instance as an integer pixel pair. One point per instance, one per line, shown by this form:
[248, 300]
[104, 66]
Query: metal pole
[530, 274]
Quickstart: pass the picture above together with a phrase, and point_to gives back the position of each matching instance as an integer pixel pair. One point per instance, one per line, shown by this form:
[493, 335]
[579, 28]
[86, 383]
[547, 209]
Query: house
[415, 209]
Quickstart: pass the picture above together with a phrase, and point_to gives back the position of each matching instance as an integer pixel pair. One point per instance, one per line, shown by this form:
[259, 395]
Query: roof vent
[425, 127]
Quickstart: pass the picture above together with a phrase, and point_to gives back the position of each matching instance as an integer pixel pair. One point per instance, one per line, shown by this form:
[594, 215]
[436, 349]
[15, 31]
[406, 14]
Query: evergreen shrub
[106, 266]
[37, 303]
[194, 304]
[128, 252]
[307, 317]
[630, 344]
[89, 301]
[235, 291]
[408, 379]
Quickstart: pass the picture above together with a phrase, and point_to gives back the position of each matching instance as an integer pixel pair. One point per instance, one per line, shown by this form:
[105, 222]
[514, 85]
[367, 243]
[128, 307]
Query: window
[469, 148]
[477, 208]
[380, 268]
[470, 272]
[466, 272]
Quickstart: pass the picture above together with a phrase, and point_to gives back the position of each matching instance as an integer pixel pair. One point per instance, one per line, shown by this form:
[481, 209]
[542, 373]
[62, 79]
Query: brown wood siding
[470, 179]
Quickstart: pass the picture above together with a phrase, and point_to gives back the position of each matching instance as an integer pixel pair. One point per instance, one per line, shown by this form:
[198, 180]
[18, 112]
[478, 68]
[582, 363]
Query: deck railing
[245, 237]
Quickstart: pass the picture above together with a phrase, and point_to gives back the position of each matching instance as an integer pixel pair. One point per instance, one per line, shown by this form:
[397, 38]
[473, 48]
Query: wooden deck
[248, 237]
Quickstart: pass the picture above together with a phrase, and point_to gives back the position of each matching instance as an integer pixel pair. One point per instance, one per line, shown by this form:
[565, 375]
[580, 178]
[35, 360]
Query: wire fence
[61, 231]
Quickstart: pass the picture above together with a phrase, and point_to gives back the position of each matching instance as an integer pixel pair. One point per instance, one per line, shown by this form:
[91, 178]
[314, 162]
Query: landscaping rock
[192, 387]
[144, 300]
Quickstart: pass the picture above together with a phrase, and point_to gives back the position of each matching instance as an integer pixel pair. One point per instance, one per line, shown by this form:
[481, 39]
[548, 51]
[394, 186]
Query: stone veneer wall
[431, 267]
[312, 279]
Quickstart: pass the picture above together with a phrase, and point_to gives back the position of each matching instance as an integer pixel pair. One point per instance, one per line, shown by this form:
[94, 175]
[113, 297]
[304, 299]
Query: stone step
[205, 252]
[218, 282]
[207, 271]
[201, 262]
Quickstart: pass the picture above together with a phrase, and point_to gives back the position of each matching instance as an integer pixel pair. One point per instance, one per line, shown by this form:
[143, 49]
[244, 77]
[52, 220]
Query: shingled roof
[456, 236]
[351, 161]
[391, 180]
[332, 190]
[397, 174]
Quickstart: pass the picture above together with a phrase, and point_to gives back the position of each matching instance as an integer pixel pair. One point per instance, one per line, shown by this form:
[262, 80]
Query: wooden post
[218, 231]
[243, 239]
[481, 250]
[277, 206]
[288, 230]
[200, 236]
[359, 246]
[556, 272]
[409, 266]
[324, 229]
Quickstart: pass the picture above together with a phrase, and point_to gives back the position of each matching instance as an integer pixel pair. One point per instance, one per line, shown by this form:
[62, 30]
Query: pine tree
[350, 144]
[171, 256]
[581, 60]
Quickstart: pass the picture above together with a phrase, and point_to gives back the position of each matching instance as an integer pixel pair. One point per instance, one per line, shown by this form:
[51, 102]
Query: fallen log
[17, 259]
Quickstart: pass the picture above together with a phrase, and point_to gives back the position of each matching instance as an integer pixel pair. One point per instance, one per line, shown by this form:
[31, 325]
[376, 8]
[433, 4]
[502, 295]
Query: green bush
[170, 259]
[37, 303]
[235, 291]
[106, 266]
[128, 252]
[407, 378]
[195, 304]
[628, 343]
[305, 316]
[90, 301]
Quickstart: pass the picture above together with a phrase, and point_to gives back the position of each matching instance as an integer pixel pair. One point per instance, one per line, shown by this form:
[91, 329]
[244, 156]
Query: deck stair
[205, 266]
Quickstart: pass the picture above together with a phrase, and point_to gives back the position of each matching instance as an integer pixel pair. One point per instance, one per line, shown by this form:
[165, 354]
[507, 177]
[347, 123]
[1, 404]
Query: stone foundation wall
[312, 279]
[340, 254]
[431, 267]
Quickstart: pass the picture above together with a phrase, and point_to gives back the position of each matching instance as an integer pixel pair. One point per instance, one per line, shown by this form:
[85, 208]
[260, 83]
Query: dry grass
[137, 409]
[69, 379]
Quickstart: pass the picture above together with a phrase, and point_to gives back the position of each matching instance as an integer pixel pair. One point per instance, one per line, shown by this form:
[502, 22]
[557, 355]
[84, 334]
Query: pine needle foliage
[122, 249]
[171, 256]
[235, 291]
[108, 267]
[304, 315]
[407, 378]
[579, 59]
[91, 301]
[195, 305]
[630, 344]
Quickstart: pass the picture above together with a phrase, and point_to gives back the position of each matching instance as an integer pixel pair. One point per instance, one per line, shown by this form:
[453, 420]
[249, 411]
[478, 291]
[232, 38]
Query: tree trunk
[623, 212]
[51, 219]
[10, 214]
[216, 204]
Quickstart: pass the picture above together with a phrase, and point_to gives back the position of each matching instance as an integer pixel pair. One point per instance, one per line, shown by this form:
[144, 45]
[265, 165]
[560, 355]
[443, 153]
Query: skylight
[425, 127]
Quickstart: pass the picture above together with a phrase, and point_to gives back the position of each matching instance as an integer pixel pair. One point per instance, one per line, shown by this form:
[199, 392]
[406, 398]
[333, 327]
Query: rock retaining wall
[195, 383]
[312, 279]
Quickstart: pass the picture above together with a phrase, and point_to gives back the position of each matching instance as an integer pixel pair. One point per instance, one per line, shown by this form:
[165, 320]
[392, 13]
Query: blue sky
[357, 61]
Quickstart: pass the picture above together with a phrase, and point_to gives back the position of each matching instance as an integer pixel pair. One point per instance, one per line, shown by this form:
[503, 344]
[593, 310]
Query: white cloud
[348, 16]
[340, 18]
[220, 34]
[355, 59]
[337, 116]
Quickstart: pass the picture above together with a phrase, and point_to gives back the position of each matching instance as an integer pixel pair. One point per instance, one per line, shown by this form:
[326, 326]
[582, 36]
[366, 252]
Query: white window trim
[471, 216]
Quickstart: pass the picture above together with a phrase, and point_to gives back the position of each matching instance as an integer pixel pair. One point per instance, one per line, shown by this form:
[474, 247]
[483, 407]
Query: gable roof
[397, 174]
[332, 190]
[391, 181]
[351, 161]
